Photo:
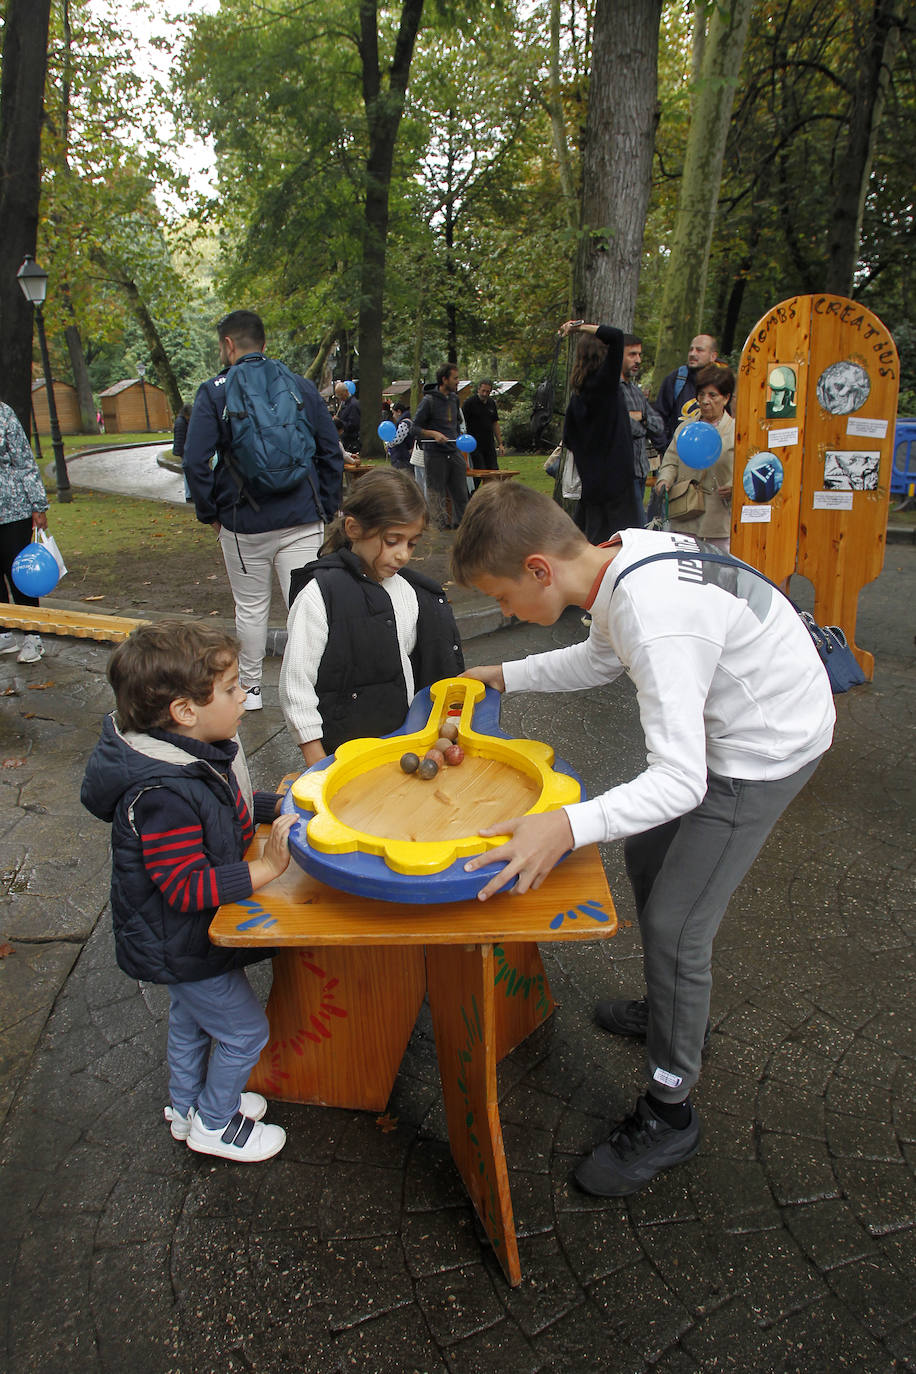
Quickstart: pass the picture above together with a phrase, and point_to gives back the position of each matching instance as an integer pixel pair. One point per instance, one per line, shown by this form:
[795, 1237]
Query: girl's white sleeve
[307, 638]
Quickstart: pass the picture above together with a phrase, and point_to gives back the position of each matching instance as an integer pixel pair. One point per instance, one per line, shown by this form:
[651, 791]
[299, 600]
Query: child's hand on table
[537, 845]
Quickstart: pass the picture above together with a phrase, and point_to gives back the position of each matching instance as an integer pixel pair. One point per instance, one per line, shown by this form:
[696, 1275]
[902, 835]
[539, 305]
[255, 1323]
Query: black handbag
[829, 640]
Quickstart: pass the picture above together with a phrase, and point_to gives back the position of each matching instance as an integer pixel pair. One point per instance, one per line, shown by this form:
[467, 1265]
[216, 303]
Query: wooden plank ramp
[46, 620]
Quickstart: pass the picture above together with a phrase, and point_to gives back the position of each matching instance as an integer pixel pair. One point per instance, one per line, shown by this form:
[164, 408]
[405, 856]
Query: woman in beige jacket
[715, 387]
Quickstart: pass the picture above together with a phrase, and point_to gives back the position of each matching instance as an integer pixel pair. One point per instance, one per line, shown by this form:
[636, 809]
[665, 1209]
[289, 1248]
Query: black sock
[674, 1114]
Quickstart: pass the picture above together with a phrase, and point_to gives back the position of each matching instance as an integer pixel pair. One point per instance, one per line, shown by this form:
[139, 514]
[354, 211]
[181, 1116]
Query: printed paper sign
[832, 500]
[782, 438]
[868, 429]
[756, 515]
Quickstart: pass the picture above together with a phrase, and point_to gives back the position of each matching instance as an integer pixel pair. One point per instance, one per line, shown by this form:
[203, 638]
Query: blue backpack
[272, 441]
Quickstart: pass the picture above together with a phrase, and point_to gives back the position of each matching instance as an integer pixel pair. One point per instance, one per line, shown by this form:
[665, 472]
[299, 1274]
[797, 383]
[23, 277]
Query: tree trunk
[854, 167]
[383, 113]
[316, 367]
[88, 423]
[617, 159]
[685, 278]
[138, 308]
[25, 46]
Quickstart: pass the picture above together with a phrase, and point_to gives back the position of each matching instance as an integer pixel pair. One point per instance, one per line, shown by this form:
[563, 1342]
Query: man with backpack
[677, 396]
[264, 467]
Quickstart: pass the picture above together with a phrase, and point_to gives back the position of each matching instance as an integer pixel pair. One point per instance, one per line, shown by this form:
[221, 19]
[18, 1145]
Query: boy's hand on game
[537, 845]
[274, 859]
[491, 676]
[276, 850]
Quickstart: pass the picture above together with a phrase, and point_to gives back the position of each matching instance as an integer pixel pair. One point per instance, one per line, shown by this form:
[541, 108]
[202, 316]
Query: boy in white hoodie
[737, 711]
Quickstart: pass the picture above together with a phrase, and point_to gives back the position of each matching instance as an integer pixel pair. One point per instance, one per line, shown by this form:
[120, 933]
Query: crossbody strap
[824, 641]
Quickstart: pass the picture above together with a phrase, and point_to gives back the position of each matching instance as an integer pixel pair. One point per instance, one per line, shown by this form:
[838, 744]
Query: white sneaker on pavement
[253, 1105]
[8, 645]
[31, 651]
[253, 700]
[242, 1139]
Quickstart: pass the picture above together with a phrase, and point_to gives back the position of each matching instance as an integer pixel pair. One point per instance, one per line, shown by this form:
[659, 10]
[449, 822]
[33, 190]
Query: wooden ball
[437, 756]
[454, 755]
[428, 768]
[442, 743]
[409, 763]
[449, 729]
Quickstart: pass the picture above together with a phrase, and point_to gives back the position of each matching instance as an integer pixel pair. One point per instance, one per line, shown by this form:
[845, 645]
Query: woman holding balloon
[701, 456]
[23, 507]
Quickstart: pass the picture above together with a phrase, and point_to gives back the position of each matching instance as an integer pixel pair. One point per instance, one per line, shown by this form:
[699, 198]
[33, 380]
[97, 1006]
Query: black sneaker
[639, 1148]
[629, 1018]
[623, 1018]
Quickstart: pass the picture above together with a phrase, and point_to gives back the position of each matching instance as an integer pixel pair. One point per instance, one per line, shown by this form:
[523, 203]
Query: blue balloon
[387, 431]
[351, 387]
[35, 571]
[698, 444]
[467, 443]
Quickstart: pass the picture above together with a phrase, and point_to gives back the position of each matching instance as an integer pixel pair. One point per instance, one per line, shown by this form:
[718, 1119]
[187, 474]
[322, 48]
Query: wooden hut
[66, 402]
[135, 407]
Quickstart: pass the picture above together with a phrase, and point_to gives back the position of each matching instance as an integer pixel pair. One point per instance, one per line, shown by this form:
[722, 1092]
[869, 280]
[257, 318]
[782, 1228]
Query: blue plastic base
[367, 875]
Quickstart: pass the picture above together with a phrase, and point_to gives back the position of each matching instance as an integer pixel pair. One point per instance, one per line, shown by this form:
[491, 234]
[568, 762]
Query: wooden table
[492, 474]
[351, 977]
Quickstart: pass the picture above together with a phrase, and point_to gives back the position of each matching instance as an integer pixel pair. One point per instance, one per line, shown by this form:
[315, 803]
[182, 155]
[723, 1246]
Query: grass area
[530, 468]
[73, 443]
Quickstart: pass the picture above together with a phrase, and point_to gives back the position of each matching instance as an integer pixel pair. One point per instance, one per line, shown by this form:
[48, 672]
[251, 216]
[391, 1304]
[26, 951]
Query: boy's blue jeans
[223, 1010]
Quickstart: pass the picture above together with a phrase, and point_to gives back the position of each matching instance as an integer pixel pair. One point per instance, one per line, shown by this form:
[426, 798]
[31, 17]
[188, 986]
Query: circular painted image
[763, 476]
[843, 387]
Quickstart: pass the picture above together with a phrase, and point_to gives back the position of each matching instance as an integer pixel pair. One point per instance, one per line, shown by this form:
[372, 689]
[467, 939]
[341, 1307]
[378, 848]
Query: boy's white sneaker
[31, 651]
[8, 645]
[253, 700]
[253, 1105]
[243, 1140]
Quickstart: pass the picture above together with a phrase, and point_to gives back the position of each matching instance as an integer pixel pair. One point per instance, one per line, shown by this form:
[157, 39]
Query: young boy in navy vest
[736, 709]
[171, 779]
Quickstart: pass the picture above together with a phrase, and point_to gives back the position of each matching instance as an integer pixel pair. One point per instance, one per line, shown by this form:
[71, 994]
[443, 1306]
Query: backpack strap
[680, 380]
[728, 559]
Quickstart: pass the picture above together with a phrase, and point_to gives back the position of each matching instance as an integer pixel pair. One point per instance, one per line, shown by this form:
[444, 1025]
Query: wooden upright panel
[461, 997]
[816, 405]
[852, 405]
[522, 997]
[765, 533]
[340, 1020]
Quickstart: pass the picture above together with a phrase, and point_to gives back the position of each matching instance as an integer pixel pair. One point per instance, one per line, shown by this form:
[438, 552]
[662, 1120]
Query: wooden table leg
[340, 1019]
[522, 994]
[461, 1000]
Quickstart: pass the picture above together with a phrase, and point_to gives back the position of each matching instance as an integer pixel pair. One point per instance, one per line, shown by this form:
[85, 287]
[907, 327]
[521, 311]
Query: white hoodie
[726, 676]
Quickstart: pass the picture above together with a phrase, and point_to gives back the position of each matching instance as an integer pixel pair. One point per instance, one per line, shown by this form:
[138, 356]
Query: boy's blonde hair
[503, 525]
[158, 663]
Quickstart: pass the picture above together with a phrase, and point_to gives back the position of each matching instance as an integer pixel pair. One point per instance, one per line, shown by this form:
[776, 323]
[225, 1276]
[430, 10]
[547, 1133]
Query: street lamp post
[141, 373]
[34, 283]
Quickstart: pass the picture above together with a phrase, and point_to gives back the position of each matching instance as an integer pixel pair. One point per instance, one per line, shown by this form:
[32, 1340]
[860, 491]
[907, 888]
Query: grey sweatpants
[683, 874]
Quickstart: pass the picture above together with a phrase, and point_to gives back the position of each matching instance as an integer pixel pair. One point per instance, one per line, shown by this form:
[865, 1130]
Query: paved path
[131, 471]
[788, 1243]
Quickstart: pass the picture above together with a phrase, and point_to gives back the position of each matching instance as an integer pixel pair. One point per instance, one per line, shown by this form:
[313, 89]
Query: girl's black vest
[360, 687]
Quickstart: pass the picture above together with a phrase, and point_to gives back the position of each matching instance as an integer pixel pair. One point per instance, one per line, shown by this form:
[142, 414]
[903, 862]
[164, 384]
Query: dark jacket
[360, 687]
[350, 416]
[674, 408]
[597, 427]
[215, 491]
[400, 451]
[153, 941]
[438, 410]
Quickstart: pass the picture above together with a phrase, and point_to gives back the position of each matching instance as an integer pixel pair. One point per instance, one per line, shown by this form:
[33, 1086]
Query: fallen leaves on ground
[40, 686]
[13, 763]
[6, 949]
[387, 1123]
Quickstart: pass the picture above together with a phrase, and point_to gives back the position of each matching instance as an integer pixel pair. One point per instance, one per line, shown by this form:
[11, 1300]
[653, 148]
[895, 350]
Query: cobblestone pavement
[786, 1244]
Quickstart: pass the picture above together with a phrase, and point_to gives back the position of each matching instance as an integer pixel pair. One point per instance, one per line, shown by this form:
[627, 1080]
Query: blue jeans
[223, 1010]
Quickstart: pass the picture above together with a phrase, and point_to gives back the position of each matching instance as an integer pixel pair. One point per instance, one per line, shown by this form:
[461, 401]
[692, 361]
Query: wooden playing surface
[391, 804]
